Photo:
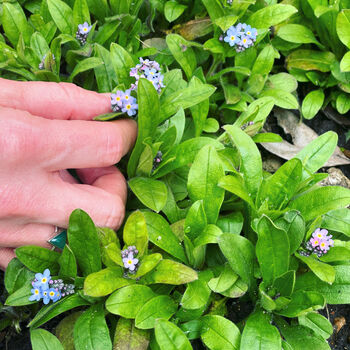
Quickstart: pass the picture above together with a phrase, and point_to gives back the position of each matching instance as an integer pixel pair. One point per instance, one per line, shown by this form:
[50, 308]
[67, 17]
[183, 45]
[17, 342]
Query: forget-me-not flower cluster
[122, 101]
[128, 257]
[83, 32]
[47, 289]
[319, 243]
[149, 70]
[242, 36]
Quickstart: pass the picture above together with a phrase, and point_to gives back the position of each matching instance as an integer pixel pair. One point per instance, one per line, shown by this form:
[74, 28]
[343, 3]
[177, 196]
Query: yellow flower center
[233, 37]
[128, 107]
[316, 242]
[52, 294]
[244, 40]
[322, 244]
[126, 97]
[85, 29]
[36, 291]
[118, 98]
[129, 262]
[45, 293]
[319, 235]
[248, 33]
[44, 280]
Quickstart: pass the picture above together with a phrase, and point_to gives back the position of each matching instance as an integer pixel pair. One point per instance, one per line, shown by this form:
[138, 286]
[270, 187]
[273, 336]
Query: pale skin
[45, 129]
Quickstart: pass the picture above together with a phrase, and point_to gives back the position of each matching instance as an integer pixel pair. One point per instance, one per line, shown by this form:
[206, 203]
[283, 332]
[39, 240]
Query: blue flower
[250, 32]
[245, 42]
[54, 294]
[46, 297]
[151, 73]
[130, 262]
[42, 280]
[117, 98]
[127, 97]
[130, 108]
[37, 295]
[84, 28]
[232, 37]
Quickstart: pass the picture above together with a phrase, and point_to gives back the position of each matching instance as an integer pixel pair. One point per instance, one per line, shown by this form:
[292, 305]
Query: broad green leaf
[238, 289]
[173, 10]
[183, 54]
[310, 60]
[148, 119]
[284, 284]
[20, 297]
[282, 81]
[161, 306]
[312, 103]
[81, 13]
[196, 220]
[16, 276]
[297, 33]
[232, 223]
[219, 333]
[337, 220]
[337, 253]
[128, 337]
[343, 103]
[160, 234]
[170, 272]
[317, 323]
[98, 8]
[87, 64]
[323, 271]
[152, 193]
[39, 45]
[197, 292]
[267, 137]
[226, 22]
[336, 293]
[91, 331]
[44, 340]
[343, 27]
[214, 8]
[68, 263]
[345, 63]
[320, 201]
[272, 250]
[147, 264]
[62, 15]
[38, 259]
[83, 241]
[294, 225]
[105, 74]
[279, 188]
[203, 179]
[225, 280]
[271, 15]
[65, 330]
[170, 337]
[239, 253]
[251, 164]
[282, 98]
[184, 98]
[264, 62]
[104, 282]
[135, 232]
[259, 334]
[122, 62]
[210, 235]
[52, 310]
[128, 300]
[317, 152]
[303, 302]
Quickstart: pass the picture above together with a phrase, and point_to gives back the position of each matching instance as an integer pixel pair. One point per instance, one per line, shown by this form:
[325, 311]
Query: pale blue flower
[36, 294]
[42, 280]
[232, 37]
[130, 262]
[84, 28]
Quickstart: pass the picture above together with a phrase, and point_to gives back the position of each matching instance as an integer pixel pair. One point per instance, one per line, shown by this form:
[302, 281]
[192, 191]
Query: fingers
[58, 144]
[6, 255]
[53, 100]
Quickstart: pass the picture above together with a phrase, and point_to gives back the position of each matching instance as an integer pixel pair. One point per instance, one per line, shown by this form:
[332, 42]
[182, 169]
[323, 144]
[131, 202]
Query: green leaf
[170, 272]
[239, 253]
[65, 329]
[16, 276]
[62, 15]
[219, 333]
[312, 103]
[297, 33]
[251, 164]
[345, 63]
[337, 220]
[83, 241]
[284, 284]
[320, 201]
[317, 323]
[203, 179]
[20, 297]
[197, 292]
[161, 306]
[209, 235]
[81, 12]
[105, 74]
[148, 119]
[128, 300]
[310, 60]
[317, 152]
[271, 15]
[294, 225]
[264, 62]
[160, 234]
[272, 250]
[91, 330]
[38, 259]
[104, 282]
[303, 302]
[282, 81]
[343, 27]
[122, 62]
[259, 334]
[128, 337]
[323, 271]
[279, 188]
[196, 220]
[343, 103]
[44, 340]
[135, 232]
[52, 310]
[226, 279]
[184, 56]
[68, 263]
[232, 223]
[86, 64]
[282, 98]
[147, 264]
[170, 337]
[152, 193]
[173, 10]
[39, 45]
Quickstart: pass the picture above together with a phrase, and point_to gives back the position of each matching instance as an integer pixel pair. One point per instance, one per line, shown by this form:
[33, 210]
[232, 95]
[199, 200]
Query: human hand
[46, 128]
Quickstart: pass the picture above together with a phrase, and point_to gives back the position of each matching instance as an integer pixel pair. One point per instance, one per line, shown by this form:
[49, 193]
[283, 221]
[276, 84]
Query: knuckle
[112, 149]
[116, 213]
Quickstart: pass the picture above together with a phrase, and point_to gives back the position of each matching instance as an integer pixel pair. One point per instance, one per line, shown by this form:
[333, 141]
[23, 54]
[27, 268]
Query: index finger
[53, 100]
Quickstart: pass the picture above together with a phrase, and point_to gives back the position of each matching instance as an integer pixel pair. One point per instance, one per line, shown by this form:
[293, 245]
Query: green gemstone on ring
[59, 241]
